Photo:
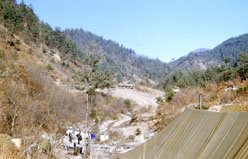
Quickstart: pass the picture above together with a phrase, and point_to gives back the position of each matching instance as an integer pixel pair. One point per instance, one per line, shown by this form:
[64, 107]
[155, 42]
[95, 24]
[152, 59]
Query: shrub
[212, 97]
[137, 132]
[64, 64]
[204, 107]
[2, 55]
[159, 100]
[49, 67]
[52, 60]
[128, 104]
[18, 42]
[93, 113]
[131, 137]
[242, 90]
[115, 135]
[14, 56]
[44, 50]
[169, 96]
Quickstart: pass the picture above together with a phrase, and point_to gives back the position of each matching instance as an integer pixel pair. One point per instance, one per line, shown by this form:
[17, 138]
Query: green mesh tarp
[198, 134]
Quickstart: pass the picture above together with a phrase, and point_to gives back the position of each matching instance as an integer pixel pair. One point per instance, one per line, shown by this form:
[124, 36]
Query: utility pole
[87, 149]
[200, 101]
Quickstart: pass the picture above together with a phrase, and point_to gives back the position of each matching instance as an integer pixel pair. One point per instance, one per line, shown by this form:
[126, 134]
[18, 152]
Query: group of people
[74, 139]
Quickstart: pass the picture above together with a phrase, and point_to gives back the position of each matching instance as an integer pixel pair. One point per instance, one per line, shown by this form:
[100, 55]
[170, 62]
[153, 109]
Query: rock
[8, 148]
[18, 143]
[245, 108]
[46, 145]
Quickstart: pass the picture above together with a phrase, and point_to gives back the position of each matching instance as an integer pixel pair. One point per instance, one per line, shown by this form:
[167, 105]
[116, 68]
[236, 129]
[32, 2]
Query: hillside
[53, 93]
[39, 71]
[115, 57]
[230, 48]
[36, 63]
[42, 74]
[126, 63]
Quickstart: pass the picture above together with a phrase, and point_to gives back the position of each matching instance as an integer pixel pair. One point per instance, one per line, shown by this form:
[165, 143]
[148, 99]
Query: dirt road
[144, 99]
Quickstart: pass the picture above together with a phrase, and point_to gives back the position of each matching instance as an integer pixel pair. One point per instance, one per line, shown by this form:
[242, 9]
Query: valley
[73, 94]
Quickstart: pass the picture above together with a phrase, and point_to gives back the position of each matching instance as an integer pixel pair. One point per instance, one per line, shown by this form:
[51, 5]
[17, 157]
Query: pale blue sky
[163, 29]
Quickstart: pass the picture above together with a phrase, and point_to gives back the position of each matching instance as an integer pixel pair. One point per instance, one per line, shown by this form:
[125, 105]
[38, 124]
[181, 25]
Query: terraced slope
[198, 134]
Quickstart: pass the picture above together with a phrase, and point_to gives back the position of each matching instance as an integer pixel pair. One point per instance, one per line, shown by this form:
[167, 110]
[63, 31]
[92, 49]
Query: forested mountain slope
[32, 57]
[227, 50]
[123, 61]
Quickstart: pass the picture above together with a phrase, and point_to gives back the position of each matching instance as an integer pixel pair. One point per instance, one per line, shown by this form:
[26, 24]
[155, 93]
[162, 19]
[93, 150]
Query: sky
[163, 29]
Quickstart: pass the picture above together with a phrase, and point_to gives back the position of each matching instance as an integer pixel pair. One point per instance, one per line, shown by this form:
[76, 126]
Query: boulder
[46, 145]
[8, 149]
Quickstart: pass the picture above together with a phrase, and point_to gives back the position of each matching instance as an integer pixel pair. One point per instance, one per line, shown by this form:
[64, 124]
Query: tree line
[213, 57]
[20, 19]
[227, 71]
[123, 61]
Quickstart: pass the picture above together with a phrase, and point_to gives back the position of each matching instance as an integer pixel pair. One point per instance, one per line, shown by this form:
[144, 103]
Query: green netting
[198, 134]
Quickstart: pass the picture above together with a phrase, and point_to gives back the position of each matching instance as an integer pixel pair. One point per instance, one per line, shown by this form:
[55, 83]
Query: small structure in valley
[128, 85]
[231, 88]
[176, 89]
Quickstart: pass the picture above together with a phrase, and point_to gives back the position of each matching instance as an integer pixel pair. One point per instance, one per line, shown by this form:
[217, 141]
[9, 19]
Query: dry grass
[30, 102]
[7, 148]
[212, 95]
[234, 108]
[109, 107]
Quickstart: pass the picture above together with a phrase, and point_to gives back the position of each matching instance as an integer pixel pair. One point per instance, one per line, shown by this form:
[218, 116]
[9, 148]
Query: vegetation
[32, 104]
[124, 62]
[204, 107]
[169, 95]
[234, 108]
[213, 83]
[243, 66]
[93, 78]
[128, 105]
[2, 55]
[213, 94]
[226, 52]
[242, 90]
[49, 67]
[200, 78]
[137, 132]
[21, 20]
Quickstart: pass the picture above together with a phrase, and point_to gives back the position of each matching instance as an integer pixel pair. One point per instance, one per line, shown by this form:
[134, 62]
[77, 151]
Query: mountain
[40, 69]
[127, 64]
[43, 72]
[201, 59]
[37, 64]
[200, 50]
[115, 57]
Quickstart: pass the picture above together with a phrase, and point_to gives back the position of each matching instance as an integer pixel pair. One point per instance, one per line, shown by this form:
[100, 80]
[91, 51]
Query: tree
[94, 78]
[169, 95]
[13, 18]
[227, 60]
[243, 66]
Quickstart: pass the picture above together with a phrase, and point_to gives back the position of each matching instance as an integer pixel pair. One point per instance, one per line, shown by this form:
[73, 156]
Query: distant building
[231, 88]
[104, 137]
[126, 85]
[176, 89]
